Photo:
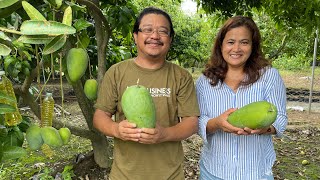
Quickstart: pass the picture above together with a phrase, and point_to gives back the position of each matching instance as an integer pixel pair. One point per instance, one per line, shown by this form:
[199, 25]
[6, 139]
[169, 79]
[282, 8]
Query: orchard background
[35, 61]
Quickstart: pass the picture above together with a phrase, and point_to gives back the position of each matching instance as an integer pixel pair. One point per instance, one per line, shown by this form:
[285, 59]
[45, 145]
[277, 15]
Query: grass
[299, 145]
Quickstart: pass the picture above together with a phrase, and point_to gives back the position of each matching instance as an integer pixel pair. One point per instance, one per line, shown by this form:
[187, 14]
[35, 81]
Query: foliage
[287, 62]
[285, 13]
[277, 42]
[229, 7]
[193, 33]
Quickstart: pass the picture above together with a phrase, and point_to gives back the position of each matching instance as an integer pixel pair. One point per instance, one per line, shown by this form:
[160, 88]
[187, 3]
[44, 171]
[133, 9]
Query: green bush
[286, 62]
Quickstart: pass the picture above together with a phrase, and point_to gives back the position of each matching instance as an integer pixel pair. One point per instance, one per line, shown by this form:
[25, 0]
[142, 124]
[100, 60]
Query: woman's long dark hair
[216, 68]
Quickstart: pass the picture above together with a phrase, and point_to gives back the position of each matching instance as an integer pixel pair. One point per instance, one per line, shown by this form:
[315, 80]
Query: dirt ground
[303, 133]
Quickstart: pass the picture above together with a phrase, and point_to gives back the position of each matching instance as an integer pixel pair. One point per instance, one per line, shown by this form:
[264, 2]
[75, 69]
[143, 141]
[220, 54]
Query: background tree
[287, 16]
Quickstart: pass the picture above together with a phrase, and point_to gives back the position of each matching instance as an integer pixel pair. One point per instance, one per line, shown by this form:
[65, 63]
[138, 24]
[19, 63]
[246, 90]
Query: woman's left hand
[267, 130]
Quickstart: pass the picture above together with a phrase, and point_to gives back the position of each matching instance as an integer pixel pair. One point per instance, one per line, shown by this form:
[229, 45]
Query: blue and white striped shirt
[239, 157]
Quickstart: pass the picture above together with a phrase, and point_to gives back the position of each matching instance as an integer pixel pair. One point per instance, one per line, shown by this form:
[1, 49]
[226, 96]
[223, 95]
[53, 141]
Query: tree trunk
[98, 141]
[100, 145]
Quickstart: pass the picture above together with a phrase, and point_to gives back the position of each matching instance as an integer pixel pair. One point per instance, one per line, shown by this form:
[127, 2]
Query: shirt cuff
[203, 121]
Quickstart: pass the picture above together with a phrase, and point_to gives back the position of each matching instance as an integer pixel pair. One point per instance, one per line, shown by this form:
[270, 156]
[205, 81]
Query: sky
[189, 6]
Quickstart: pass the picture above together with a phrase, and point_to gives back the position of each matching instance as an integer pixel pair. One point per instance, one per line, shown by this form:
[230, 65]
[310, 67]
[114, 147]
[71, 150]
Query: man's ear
[135, 37]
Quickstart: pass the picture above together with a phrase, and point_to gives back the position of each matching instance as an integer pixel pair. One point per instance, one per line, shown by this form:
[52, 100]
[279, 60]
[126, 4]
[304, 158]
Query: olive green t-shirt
[173, 92]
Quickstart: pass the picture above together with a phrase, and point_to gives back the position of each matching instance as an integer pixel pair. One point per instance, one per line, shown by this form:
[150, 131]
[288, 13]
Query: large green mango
[33, 137]
[138, 106]
[51, 136]
[256, 115]
[77, 63]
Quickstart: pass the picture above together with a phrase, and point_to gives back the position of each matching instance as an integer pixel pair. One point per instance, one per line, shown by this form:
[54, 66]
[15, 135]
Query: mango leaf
[58, 3]
[4, 50]
[32, 12]
[8, 98]
[4, 36]
[5, 108]
[81, 24]
[34, 27]
[55, 3]
[7, 3]
[3, 131]
[84, 40]
[9, 60]
[55, 44]
[67, 16]
[12, 152]
[35, 39]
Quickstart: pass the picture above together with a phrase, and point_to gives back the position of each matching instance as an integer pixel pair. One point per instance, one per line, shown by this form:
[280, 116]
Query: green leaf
[84, 40]
[15, 137]
[33, 27]
[32, 12]
[55, 44]
[35, 39]
[7, 3]
[8, 98]
[5, 108]
[7, 61]
[81, 24]
[58, 3]
[67, 16]
[4, 36]
[4, 50]
[3, 131]
[13, 152]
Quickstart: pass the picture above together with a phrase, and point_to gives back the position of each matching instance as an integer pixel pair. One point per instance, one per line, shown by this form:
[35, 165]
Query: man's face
[153, 39]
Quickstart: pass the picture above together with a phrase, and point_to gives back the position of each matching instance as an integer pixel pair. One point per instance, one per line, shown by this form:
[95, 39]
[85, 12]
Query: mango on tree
[77, 63]
[138, 106]
[91, 89]
[51, 137]
[256, 115]
[33, 137]
[65, 134]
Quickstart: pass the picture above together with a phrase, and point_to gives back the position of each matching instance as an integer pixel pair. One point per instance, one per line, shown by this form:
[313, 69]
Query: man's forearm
[187, 127]
[102, 121]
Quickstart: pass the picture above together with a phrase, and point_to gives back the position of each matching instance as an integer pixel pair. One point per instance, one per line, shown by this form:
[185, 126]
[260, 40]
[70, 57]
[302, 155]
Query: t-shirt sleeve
[187, 100]
[107, 98]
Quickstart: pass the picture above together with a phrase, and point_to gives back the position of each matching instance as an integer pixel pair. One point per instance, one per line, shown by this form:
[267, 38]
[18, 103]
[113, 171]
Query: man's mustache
[154, 42]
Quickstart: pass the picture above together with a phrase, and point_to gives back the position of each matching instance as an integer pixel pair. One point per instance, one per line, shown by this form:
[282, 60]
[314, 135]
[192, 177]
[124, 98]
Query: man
[149, 153]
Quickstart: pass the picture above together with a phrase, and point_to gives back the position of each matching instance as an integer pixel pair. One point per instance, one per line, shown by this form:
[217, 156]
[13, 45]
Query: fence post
[313, 67]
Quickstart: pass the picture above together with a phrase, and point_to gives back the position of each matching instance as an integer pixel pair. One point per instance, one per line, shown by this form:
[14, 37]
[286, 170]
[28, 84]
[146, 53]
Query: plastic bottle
[47, 110]
[6, 87]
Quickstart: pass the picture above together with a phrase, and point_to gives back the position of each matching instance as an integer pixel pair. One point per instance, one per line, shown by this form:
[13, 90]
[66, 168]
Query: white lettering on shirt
[160, 92]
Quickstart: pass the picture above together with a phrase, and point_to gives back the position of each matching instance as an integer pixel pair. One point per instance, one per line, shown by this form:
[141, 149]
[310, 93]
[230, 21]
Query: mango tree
[38, 35]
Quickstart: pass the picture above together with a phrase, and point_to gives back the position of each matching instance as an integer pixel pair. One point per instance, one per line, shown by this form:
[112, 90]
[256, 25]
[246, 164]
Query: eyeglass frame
[154, 30]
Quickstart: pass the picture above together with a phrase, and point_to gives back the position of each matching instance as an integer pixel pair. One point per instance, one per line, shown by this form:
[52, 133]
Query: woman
[238, 74]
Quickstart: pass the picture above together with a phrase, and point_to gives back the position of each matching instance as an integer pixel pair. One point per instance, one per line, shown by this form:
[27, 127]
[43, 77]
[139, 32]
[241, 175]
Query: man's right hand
[128, 131]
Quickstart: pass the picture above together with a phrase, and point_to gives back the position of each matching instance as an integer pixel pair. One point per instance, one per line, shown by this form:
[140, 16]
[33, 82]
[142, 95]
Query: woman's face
[237, 47]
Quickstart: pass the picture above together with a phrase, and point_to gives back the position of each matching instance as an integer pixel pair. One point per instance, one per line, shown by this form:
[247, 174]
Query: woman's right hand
[221, 122]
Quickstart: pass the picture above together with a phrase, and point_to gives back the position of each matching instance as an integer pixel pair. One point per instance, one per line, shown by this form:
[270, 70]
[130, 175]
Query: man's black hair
[152, 10]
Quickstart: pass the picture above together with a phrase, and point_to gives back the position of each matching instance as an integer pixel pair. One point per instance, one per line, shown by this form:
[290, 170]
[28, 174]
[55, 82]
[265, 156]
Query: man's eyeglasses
[163, 32]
